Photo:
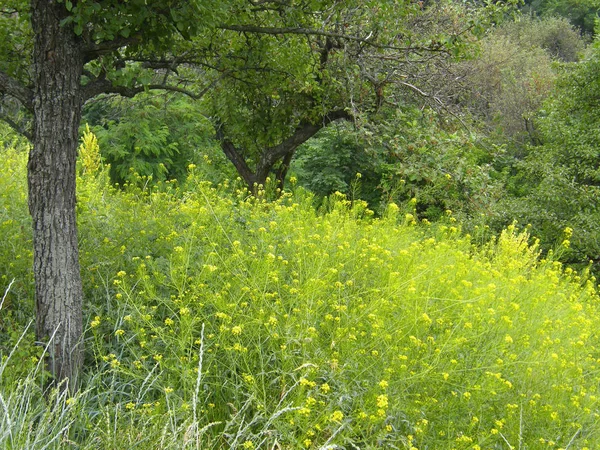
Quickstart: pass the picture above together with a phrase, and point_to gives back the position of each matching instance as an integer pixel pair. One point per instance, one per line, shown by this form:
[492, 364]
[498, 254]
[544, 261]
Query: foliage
[581, 13]
[557, 185]
[509, 80]
[338, 160]
[154, 136]
[229, 322]
[282, 88]
[412, 154]
[555, 35]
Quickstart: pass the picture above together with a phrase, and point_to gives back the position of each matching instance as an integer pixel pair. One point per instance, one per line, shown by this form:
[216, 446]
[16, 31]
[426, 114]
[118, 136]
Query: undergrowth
[217, 320]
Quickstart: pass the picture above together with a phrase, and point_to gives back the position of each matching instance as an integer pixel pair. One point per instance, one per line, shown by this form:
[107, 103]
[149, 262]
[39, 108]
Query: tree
[283, 82]
[57, 54]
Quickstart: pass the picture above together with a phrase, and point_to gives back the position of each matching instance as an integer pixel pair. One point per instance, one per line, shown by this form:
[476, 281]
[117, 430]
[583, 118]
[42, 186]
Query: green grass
[217, 321]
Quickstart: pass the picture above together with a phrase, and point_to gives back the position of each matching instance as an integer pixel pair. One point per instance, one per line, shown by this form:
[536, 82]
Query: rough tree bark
[57, 103]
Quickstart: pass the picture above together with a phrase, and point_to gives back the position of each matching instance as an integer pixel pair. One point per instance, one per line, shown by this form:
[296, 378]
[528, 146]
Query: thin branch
[13, 87]
[93, 50]
[16, 126]
[309, 31]
[103, 86]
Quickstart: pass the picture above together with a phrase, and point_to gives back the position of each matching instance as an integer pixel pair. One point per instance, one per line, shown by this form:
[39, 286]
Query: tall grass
[221, 321]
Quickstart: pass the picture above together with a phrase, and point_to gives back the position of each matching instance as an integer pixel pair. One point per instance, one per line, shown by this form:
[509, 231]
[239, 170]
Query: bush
[559, 181]
[155, 137]
[512, 76]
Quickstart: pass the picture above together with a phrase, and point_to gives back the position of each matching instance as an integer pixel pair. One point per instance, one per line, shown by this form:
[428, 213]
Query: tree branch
[103, 86]
[310, 32]
[16, 126]
[14, 88]
[235, 157]
[93, 50]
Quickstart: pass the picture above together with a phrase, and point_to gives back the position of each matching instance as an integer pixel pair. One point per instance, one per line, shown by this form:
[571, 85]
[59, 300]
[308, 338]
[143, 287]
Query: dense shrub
[154, 136]
[558, 183]
[513, 74]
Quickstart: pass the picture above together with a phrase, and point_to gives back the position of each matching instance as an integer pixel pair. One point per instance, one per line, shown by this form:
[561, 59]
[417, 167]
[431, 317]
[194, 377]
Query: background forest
[315, 241]
[516, 126]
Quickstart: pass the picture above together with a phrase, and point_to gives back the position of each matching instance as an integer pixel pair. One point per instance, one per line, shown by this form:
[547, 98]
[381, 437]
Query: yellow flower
[337, 416]
[237, 330]
[382, 401]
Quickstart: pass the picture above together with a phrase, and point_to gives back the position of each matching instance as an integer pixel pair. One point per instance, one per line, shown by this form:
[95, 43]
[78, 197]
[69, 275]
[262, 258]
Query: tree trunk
[57, 104]
[270, 156]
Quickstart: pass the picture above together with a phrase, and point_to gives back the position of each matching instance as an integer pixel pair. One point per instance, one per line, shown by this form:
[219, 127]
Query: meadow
[215, 320]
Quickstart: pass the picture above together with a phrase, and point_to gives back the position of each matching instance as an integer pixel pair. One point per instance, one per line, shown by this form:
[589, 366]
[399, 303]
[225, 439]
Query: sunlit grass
[221, 321]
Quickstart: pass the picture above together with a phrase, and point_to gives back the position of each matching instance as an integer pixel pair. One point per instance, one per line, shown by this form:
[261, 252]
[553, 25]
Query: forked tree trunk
[58, 64]
[281, 153]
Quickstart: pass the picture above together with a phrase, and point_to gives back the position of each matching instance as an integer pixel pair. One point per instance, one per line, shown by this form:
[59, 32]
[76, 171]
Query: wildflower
[237, 330]
[382, 401]
[121, 273]
[248, 445]
[304, 382]
[130, 406]
[95, 322]
[325, 388]
[119, 332]
[337, 416]
[568, 232]
[304, 411]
